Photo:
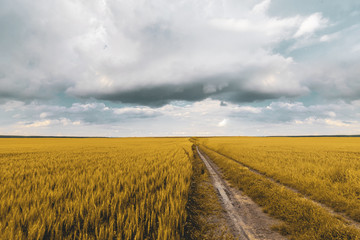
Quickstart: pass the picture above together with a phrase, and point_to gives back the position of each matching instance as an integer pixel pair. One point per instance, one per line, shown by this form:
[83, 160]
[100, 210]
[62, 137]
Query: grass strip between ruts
[302, 219]
[206, 217]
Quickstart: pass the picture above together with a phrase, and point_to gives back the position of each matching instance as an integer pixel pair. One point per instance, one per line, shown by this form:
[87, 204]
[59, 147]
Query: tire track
[338, 215]
[245, 217]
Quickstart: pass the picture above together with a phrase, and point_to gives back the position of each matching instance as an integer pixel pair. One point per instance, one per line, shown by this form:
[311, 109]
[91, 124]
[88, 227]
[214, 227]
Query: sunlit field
[327, 169]
[155, 188]
[94, 188]
[324, 169]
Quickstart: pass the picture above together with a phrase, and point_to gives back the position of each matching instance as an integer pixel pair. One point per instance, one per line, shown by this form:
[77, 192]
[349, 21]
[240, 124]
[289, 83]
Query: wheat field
[140, 188]
[324, 169]
[94, 188]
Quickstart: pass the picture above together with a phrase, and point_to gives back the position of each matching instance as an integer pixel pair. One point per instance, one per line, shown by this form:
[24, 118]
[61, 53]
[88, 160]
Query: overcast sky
[172, 68]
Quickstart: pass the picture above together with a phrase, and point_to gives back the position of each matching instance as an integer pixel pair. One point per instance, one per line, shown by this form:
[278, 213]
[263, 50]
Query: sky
[119, 68]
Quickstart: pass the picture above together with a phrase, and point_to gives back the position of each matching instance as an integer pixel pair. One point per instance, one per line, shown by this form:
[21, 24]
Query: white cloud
[247, 109]
[36, 124]
[78, 107]
[48, 123]
[331, 114]
[326, 121]
[207, 117]
[12, 106]
[311, 24]
[297, 106]
[258, 26]
[223, 123]
[337, 123]
[329, 37]
[137, 111]
[262, 7]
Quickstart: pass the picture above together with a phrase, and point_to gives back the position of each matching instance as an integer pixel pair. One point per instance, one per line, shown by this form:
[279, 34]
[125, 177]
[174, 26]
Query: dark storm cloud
[155, 96]
[159, 95]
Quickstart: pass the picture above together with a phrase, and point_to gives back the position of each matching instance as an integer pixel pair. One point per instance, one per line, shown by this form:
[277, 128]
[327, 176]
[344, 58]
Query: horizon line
[210, 136]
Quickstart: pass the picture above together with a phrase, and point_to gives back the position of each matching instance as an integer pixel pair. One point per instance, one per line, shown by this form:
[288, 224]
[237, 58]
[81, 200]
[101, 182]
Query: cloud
[326, 121]
[175, 51]
[98, 65]
[137, 112]
[47, 123]
[82, 119]
[262, 7]
[329, 37]
[234, 88]
[36, 124]
[11, 105]
[206, 117]
[311, 24]
[223, 123]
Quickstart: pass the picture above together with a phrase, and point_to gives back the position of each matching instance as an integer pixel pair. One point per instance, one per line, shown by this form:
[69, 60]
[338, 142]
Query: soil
[338, 215]
[245, 217]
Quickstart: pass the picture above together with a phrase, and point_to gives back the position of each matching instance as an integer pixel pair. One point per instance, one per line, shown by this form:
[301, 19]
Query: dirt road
[338, 215]
[244, 216]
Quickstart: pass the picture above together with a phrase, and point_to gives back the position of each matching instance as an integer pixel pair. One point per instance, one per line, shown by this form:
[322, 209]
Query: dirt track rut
[338, 215]
[244, 216]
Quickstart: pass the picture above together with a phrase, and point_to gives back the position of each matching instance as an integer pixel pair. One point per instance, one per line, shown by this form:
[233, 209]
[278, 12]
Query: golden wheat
[94, 188]
[326, 169]
[301, 218]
